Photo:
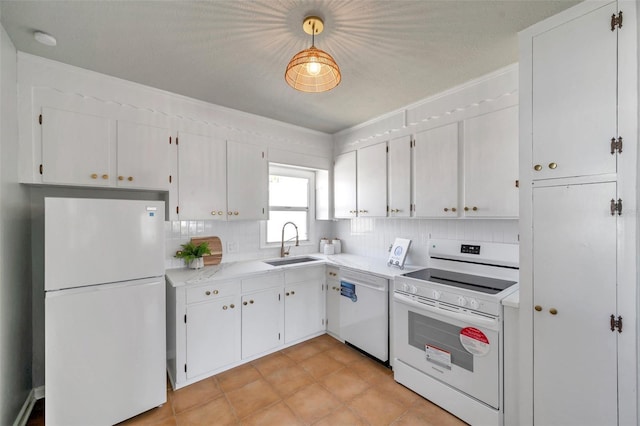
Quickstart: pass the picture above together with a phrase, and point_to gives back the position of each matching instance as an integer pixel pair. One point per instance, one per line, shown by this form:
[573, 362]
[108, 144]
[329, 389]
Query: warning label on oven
[438, 356]
[474, 341]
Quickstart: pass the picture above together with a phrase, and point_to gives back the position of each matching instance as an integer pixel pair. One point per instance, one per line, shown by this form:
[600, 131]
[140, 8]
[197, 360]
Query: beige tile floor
[318, 382]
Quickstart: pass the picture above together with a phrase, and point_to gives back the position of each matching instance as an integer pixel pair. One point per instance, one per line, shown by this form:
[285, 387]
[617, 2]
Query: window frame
[299, 172]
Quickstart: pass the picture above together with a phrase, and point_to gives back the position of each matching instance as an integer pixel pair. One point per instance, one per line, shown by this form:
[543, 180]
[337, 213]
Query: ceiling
[233, 53]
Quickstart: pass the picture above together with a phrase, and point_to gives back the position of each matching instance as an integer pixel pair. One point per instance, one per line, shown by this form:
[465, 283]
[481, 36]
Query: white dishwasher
[364, 312]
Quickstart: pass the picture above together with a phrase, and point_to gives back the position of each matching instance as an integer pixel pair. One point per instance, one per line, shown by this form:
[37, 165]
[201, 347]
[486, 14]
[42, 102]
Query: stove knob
[436, 294]
[474, 303]
[414, 289]
[462, 301]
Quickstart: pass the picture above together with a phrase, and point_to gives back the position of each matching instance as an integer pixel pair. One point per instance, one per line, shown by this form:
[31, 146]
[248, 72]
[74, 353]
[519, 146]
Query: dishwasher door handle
[365, 285]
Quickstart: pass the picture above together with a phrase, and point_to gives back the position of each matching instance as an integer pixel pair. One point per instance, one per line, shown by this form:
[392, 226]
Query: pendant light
[312, 70]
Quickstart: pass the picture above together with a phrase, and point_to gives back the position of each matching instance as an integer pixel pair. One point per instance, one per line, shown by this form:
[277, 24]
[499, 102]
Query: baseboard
[25, 411]
[39, 392]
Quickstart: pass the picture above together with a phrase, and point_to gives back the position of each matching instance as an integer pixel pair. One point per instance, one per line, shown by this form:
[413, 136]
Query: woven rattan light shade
[301, 75]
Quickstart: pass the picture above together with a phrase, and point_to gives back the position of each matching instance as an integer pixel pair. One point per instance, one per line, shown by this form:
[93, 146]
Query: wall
[372, 237]
[44, 82]
[15, 288]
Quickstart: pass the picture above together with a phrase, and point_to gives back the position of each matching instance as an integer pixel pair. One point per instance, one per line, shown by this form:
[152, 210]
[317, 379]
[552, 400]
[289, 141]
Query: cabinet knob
[236, 213]
[251, 302]
[293, 292]
[453, 209]
[229, 213]
[537, 167]
[224, 307]
[553, 311]
[105, 177]
[120, 177]
[94, 176]
[232, 306]
[466, 209]
[130, 178]
[244, 303]
[208, 293]
[537, 308]
[475, 209]
[446, 209]
[286, 294]
[213, 213]
[215, 291]
[219, 212]
[552, 166]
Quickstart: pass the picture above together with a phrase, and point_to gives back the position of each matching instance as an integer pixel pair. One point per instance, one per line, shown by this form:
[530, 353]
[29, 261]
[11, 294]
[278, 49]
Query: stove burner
[457, 279]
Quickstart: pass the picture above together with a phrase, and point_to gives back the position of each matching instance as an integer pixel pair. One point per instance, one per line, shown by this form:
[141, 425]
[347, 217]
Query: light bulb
[313, 67]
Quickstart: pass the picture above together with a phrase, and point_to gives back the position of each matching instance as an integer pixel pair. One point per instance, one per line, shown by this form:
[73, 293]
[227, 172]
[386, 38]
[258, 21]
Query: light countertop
[232, 270]
[512, 300]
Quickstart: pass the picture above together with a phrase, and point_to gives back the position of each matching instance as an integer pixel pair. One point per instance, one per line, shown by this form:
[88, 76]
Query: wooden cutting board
[215, 245]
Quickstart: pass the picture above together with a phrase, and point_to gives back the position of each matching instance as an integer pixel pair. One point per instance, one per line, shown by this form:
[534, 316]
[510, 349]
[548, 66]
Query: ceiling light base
[312, 25]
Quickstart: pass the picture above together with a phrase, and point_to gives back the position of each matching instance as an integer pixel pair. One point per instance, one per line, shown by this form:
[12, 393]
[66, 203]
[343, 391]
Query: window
[291, 197]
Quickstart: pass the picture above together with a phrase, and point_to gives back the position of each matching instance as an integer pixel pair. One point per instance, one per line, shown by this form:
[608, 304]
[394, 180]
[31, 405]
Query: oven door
[459, 349]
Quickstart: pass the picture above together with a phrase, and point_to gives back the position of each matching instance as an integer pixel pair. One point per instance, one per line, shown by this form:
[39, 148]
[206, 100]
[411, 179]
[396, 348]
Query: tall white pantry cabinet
[578, 217]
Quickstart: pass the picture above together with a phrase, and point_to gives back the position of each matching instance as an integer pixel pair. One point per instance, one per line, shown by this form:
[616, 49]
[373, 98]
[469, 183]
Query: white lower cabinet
[216, 325]
[304, 303]
[213, 335]
[333, 302]
[261, 324]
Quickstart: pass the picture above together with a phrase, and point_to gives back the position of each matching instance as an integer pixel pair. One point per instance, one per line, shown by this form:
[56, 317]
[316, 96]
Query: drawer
[213, 290]
[262, 282]
[332, 273]
[304, 274]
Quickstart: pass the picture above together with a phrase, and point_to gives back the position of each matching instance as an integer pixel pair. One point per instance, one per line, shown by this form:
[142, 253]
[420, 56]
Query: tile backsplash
[369, 237]
[240, 240]
[372, 237]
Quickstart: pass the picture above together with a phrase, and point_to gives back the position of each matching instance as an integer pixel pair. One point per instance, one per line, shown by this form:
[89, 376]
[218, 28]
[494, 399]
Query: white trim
[25, 411]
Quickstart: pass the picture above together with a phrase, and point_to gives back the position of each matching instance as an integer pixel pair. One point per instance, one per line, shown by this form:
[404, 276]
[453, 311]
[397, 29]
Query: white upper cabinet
[143, 156]
[399, 179]
[344, 185]
[372, 181]
[570, 139]
[202, 177]
[92, 150]
[247, 182]
[435, 177]
[491, 164]
[77, 148]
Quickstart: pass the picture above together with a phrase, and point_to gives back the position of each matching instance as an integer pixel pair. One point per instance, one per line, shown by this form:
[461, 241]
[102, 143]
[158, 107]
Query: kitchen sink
[291, 261]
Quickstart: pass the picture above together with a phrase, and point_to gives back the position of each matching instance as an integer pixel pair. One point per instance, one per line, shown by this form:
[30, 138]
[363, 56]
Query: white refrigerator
[105, 347]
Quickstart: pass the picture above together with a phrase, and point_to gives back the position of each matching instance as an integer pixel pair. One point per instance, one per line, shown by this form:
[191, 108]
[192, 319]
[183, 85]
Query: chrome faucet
[284, 253]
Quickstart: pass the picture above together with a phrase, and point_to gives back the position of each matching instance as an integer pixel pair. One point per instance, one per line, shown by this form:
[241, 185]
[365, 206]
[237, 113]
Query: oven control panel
[470, 249]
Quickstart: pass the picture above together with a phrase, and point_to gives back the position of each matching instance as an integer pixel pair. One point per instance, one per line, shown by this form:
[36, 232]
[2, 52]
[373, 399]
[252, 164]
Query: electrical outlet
[233, 247]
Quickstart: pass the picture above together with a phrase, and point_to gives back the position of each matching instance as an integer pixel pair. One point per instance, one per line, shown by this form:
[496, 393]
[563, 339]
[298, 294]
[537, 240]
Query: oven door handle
[471, 319]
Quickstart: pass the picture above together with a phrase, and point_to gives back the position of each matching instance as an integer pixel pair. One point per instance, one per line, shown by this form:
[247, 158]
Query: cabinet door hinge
[616, 145]
[616, 207]
[616, 21]
[517, 183]
[616, 324]
[185, 318]
[40, 168]
[40, 119]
